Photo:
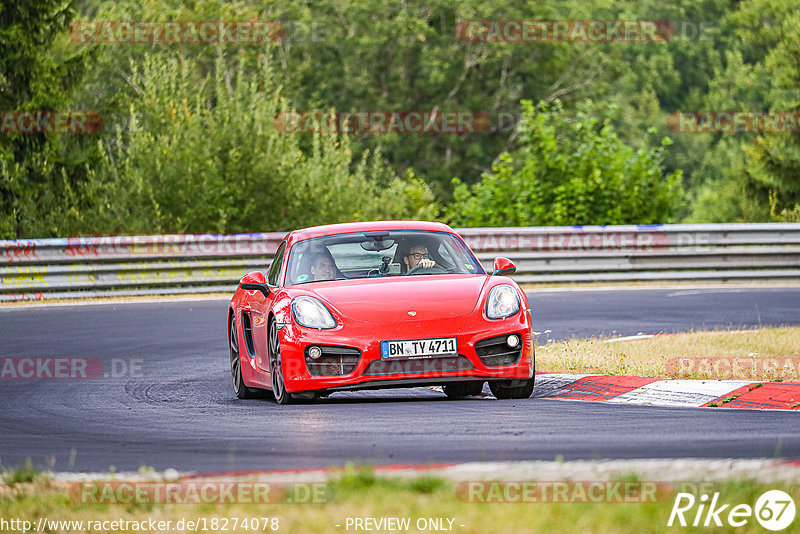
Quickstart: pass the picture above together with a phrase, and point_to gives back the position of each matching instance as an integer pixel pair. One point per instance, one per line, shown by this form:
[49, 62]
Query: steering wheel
[436, 269]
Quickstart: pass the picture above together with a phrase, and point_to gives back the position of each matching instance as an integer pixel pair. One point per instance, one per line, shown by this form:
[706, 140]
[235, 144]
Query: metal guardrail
[39, 269]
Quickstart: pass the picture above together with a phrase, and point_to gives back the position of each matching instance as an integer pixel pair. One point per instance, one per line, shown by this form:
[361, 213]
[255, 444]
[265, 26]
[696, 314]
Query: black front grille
[495, 351]
[418, 366]
[334, 361]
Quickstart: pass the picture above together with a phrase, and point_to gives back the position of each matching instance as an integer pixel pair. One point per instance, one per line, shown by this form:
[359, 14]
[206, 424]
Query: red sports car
[379, 305]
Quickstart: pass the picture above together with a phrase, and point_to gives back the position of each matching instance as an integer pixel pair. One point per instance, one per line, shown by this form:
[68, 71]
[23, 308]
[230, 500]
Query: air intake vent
[248, 334]
[418, 366]
[334, 361]
[495, 351]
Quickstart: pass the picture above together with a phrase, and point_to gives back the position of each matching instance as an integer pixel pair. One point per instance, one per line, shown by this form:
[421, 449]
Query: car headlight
[311, 313]
[502, 302]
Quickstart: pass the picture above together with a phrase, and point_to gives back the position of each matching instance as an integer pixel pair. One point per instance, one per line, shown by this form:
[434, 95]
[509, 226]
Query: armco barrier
[38, 269]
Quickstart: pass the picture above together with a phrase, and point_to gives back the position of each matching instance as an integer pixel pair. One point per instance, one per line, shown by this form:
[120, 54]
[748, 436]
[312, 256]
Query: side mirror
[254, 281]
[503, 266]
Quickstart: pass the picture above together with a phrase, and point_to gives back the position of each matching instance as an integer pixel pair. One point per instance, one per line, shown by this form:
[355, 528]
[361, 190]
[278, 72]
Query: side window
[444, 254]
[275, 268]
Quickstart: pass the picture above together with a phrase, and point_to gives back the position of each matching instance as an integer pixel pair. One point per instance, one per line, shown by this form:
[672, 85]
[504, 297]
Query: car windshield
[379, 254]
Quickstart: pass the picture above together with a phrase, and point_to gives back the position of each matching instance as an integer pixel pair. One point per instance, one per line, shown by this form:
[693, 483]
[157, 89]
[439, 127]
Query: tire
[239, 387]
[502, 389]
[458, 390]
[276, 366]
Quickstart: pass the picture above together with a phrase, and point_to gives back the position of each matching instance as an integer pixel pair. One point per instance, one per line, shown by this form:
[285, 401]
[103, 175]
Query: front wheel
[275, 366]
[239, 388]
[512, 389]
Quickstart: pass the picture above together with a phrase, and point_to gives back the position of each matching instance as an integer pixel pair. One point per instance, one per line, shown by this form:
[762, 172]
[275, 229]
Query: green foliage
[571, 170]
[357, 480]
[37, 73]
[196, 159]
[395, 55]
[32, 71]
[25, 472]
[190, 146]
[226, 169]
[782, 215]
[426, 484]
[773, 160]
[391, 497]
[392, 55]
[725, 195]
[750, 177]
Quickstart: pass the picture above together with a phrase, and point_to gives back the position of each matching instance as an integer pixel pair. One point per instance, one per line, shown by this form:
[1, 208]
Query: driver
[418, 255]
[323, 267]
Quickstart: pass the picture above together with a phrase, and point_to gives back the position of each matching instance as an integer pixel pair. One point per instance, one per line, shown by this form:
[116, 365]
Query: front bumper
[371, 371]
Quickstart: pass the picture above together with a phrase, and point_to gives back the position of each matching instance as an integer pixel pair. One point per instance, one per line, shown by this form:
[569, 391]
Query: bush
[192, 158]
[570, 170]
[210, 159]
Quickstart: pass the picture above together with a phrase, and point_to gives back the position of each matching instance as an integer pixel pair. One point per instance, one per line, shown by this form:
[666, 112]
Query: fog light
[315, 352]
[512, 341]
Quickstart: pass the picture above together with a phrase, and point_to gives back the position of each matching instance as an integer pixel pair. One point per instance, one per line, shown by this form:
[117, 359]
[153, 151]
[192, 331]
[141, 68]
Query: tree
[207, 157]
[36, 74]
[749, 177]
[572, 169]
[773, 159]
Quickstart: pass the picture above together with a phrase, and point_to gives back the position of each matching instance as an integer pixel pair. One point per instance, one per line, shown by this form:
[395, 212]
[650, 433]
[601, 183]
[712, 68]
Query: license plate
[418, 348]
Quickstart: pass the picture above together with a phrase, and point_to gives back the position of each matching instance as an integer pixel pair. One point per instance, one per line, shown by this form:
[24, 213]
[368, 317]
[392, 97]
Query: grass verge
[359, 493]
[769, 354]
[23, 473]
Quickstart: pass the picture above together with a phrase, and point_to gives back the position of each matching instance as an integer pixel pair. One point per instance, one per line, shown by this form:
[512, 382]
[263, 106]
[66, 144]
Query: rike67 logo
[774, 510]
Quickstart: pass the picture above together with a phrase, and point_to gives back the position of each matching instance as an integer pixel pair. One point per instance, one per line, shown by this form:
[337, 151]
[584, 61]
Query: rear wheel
[512, 389]
[275, 366]
[241, 390]
[462, 389]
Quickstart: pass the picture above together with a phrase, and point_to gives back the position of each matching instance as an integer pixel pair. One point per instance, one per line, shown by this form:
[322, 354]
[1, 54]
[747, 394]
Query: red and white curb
[690, 393]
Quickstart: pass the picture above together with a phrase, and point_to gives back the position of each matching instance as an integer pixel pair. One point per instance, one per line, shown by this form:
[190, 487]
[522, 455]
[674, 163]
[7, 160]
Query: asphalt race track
[177, 409]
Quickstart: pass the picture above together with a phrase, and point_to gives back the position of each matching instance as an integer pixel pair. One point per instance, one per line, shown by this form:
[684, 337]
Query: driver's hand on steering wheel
[426, 263]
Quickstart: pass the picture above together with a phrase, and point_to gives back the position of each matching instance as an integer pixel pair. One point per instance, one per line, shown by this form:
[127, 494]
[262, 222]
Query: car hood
[415, 298]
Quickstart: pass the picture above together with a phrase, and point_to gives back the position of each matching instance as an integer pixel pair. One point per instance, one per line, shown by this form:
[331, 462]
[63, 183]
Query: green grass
[23, 473]
[360, 492]
[768, 354]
